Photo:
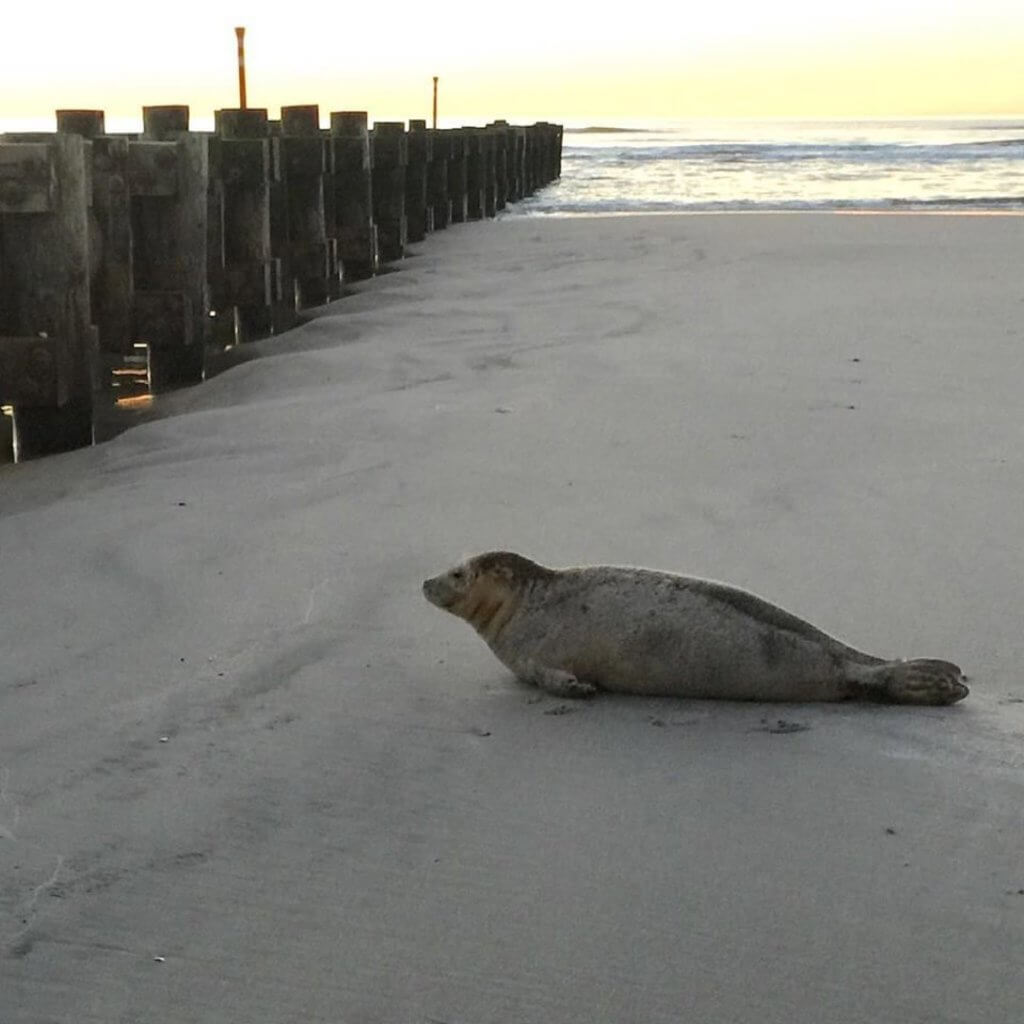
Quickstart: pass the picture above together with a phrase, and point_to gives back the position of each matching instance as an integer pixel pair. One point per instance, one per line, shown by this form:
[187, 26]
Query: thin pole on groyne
[240, 36]
[434, 125]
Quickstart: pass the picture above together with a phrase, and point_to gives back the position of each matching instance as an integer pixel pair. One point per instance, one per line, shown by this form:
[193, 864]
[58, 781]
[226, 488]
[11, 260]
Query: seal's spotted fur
[574, 631]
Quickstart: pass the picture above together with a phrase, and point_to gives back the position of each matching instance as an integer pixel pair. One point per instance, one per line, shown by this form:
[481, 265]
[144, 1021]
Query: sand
[248, 774]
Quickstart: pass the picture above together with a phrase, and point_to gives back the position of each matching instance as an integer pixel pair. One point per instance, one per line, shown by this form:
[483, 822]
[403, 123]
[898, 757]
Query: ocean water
[659, 166]
[788, 165]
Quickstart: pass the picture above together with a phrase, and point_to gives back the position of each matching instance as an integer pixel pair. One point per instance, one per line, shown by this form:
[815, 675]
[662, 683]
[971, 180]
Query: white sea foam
[789, 165]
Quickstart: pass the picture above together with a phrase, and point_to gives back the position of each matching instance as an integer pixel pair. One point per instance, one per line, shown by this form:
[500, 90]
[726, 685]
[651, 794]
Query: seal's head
[485, 590]
[451, 587]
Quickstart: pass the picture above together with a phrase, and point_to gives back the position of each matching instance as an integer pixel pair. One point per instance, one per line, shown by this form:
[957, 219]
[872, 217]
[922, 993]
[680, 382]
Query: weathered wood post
[476, 189]
[312, 256]
[285, 307]
[418, 211]
[550, 152]
[528, 157]
[489, 165]
[111, 284]
[87, 123]
[390, 159]
[543, 155]
[458, 174]
[223, 328]
[501, 133]
[48, 348]
[249, 281]
[437, 179]
[167, 185]
[533, 159]
[539, 156]
[350, 195]
[164, 123]
[554, 145]
[517, 165]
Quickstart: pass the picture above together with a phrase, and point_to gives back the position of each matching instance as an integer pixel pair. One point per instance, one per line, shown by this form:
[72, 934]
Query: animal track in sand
[8, 826]
[24, 912]
[781, 726]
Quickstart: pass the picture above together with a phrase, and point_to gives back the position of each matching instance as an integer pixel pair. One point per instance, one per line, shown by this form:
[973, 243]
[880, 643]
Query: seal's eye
[457, 574]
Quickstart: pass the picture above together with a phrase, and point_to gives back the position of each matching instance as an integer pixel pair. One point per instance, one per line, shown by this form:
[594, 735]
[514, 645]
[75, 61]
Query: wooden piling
[458, 175]
[283, 310]
[48, 348]
[543, 155]
[517, 165]
[476, 189]
[557, 133]
[350, 195]
[535, 159]
[489, 170]
[390, 159]
[87, 123]
[243, 162]
[312, 256]
[111, 284]
[437, 179]
[533, 176]
[418, 210]
[502, 133]
[549, 158]
[167, 187]
[164, 123]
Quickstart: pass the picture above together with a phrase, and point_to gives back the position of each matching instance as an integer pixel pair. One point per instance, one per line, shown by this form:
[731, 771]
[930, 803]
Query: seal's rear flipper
[920, 681]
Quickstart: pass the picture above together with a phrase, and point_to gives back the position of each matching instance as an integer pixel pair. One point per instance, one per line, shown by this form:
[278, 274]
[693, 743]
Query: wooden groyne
[126, 258]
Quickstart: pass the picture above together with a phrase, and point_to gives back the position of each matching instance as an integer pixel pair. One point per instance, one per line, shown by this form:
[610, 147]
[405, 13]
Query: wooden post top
[88, 123]
[236, 123]
[300, 120]
[163, 121]
[348, 122]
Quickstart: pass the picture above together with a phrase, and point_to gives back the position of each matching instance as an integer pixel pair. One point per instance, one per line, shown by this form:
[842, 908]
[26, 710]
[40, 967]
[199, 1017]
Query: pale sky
[553, 61]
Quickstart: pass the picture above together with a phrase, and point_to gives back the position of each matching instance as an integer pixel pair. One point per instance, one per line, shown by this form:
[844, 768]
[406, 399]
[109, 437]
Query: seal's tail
[919, 681]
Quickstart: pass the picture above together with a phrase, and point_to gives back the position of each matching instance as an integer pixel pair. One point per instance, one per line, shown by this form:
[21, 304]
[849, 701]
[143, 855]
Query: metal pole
[240, 35]
[435, 101]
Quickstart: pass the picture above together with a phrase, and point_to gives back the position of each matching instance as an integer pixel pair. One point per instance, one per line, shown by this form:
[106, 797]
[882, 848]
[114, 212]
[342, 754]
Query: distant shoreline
[607, 130]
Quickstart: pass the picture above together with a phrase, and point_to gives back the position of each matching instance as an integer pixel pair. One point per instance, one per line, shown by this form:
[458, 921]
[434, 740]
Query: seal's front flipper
[563, 684]
[555, 681]
[920, 681]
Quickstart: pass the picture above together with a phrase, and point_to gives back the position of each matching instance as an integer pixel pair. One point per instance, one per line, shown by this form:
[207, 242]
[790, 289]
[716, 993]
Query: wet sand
[247, 773]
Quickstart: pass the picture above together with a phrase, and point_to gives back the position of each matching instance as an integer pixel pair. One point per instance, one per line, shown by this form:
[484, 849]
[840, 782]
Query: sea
[691, 166]
[638, 166]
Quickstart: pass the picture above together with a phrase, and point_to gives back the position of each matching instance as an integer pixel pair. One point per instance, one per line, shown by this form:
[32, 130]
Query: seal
[575, 631]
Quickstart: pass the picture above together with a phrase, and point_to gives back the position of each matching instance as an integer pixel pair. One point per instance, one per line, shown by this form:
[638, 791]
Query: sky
[526, 61]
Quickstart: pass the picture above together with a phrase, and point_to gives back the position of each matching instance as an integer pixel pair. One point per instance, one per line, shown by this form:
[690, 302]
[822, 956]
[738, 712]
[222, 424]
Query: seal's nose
[434, 592]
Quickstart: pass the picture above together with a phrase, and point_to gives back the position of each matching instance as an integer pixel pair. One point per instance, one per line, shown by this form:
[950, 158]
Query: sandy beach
[248, 774]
